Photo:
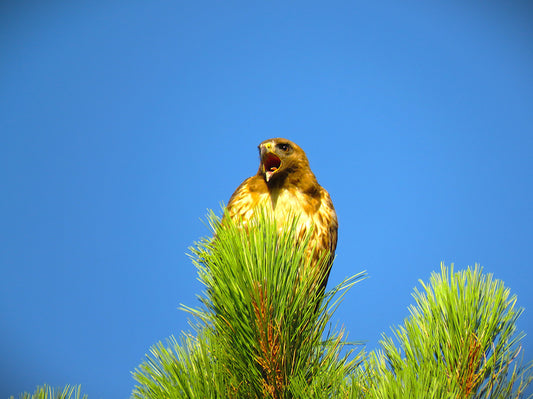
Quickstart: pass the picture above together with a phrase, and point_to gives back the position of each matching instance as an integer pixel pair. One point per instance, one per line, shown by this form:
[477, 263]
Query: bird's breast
[286, 205]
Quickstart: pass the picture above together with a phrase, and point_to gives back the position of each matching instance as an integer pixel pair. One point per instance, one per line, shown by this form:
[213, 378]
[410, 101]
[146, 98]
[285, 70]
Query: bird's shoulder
[247, 196]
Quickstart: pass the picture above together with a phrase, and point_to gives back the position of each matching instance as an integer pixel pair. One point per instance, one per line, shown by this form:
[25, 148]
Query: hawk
[286, 187]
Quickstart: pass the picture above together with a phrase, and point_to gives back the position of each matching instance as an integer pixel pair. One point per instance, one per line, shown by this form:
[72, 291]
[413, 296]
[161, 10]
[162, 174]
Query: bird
[287, 189]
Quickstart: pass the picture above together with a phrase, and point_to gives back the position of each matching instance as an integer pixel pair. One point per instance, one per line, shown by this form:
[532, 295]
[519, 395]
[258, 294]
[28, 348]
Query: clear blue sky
[122, 122]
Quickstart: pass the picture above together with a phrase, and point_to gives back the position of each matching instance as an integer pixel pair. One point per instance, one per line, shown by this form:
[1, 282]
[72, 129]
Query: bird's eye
[284, 147]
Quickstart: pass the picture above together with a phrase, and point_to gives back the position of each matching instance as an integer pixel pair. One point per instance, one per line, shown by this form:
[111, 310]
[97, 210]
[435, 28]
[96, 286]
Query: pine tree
[263, 330]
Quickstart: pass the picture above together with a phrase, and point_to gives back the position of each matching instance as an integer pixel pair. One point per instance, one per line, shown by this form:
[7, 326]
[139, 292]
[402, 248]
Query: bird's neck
[303, 181]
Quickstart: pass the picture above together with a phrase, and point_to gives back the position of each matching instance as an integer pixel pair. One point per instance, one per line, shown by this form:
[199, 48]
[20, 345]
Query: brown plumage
[285, 186]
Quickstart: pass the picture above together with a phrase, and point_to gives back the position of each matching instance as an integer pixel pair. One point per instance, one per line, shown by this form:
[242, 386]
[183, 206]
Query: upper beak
[265, 148]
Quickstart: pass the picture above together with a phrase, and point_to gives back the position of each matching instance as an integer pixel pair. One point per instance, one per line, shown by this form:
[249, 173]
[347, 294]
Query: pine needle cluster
[262, 330]
[48, 392]
[460, 341]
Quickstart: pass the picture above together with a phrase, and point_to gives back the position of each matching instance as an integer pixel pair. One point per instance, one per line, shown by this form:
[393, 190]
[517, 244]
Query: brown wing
[330, 218]
[325, 236]
[246, 198]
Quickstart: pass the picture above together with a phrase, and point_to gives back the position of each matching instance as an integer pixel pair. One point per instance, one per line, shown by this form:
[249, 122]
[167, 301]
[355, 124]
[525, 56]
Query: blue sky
[123, 122]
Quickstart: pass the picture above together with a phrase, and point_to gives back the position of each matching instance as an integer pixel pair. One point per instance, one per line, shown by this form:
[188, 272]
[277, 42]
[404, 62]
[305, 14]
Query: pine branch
[261, 332]
[460, 341]
[262, 327]
[47, 392]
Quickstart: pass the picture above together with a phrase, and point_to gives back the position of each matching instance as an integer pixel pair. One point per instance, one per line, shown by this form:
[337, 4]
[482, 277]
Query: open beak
[271, 163]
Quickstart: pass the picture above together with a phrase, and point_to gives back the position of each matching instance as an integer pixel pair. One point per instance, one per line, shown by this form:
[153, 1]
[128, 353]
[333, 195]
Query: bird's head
[280, 158]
